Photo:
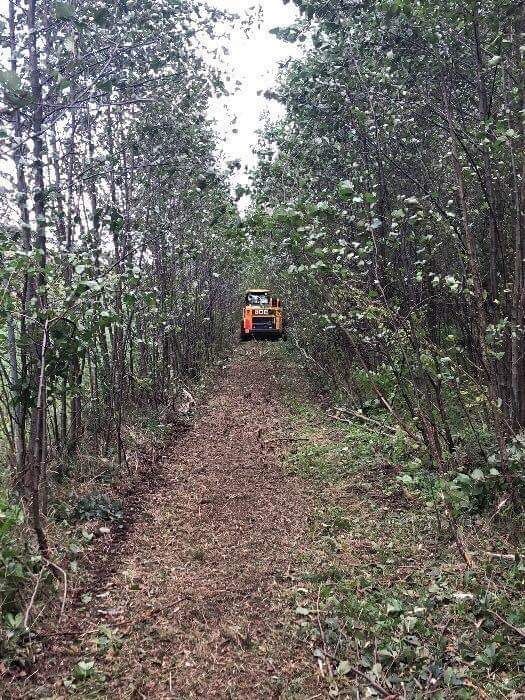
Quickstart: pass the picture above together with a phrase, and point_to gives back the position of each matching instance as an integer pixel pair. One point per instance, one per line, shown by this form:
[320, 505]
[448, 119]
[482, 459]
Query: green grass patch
[328, 453]
[384, 588]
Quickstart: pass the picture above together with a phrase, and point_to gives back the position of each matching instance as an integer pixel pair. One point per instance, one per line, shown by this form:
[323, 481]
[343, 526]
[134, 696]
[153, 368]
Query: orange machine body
[262, 315]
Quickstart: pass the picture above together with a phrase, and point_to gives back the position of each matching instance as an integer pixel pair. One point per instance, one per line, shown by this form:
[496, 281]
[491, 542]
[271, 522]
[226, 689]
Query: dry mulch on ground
[193, 598]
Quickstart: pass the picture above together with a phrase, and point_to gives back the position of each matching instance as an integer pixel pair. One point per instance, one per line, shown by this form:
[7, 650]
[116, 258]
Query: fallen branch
[494, 555]
[361, 416]
[32, 600]
[518, 630]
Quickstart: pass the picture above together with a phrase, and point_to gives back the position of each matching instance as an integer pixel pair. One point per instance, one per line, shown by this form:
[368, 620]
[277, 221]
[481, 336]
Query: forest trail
[194, 598]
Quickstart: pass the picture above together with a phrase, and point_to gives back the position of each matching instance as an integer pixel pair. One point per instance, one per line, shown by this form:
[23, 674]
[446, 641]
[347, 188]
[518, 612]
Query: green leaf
[14, 620]
[84, 669]
[101, 17]
[64, 10]
[345, 188]
[394, 606]
[10, 80]
[343, 668]
[88, 536]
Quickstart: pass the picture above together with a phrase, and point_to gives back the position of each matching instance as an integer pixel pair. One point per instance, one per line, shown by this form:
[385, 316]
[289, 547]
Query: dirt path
[195, 596]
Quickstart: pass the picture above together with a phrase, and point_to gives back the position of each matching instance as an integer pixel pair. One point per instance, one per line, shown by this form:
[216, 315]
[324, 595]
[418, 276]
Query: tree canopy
[391, 194]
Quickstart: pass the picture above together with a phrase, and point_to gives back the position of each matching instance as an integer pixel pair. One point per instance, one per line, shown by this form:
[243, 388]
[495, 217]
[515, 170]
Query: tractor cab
[262, 315]
[257, 297]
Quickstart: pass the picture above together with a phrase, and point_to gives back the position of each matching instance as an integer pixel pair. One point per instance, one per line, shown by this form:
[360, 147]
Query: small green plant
[84, 670]
[97, 506]
[319, 462]
[333, 520]
[472, 492]
[14, 625]
[15, 564]
[155, 426]
[108, 640]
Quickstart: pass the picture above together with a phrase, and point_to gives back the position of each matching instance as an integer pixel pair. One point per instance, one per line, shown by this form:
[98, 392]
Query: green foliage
[319, 462]
[327, 460]
[84, 670]
[357, 215]
[121, 247]
[64, 10]
[384, 589]
[18, 567]
[108, 640]
[15, 565]
[333, 520]
[97, 506]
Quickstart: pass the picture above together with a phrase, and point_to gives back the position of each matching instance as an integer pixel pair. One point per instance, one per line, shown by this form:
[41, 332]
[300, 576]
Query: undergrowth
[412, 587]
[85, 503]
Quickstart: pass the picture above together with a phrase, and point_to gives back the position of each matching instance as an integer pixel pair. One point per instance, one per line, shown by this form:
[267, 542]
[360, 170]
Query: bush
[17, 566]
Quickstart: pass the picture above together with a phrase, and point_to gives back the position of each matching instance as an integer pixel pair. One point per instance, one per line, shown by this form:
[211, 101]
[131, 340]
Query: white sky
[254, 61]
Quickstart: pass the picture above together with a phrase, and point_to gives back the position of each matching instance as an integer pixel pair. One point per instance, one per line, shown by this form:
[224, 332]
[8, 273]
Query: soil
[193, 592]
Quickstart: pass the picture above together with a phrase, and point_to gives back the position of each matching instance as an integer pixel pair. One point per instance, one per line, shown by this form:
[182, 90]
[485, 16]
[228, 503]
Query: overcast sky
[254, 61]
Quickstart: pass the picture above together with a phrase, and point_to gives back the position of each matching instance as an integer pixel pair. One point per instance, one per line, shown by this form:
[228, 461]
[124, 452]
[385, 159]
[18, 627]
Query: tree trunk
[40, 337]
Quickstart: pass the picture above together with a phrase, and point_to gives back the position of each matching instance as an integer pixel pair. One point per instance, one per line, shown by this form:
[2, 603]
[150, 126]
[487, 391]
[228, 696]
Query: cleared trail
[194, 595]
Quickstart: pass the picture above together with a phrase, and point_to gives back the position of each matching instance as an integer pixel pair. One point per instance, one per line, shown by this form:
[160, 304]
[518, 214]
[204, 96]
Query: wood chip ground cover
[276, 555]
[191, 601]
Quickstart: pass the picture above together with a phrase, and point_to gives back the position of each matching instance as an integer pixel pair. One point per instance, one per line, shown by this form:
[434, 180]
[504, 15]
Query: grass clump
[327, 454]
[19, 569]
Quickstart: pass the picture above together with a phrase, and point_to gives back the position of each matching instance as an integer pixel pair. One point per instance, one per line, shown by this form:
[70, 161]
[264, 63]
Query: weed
[155, 426]
[16, 563]
[18, 571]
[318, 462]
[332, 520]
[97, 506]
[108, 640]
[85, 679]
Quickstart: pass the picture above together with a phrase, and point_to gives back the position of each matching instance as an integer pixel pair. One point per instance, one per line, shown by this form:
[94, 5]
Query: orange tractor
[262, 316]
